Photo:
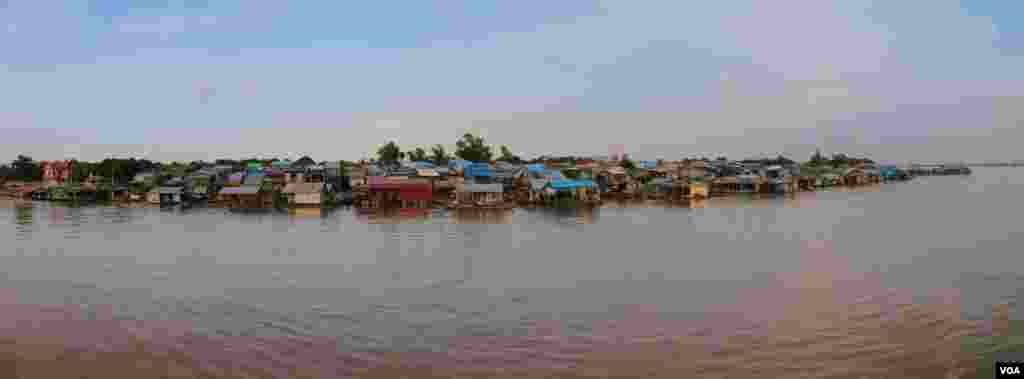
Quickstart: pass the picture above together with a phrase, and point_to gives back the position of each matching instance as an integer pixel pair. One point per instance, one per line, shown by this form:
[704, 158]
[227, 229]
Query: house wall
[307, 198]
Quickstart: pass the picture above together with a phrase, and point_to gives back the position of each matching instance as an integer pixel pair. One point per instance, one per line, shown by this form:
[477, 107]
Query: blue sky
[202, 79]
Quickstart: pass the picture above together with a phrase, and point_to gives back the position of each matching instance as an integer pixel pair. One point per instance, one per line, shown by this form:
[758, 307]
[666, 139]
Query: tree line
[469, 147]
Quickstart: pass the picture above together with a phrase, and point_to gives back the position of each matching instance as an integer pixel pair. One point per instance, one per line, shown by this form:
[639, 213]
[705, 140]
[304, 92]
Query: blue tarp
[568, 184]
[478, 170]
[553, 174]
[458, 163]
[536, 167]
[422, 164]
[648, 164]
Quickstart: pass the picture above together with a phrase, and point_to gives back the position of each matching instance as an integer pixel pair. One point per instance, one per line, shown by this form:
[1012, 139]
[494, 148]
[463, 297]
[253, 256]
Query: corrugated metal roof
[552, 174]
[253, 179]
[170, 190]
[479, 170]
[246, 190]
[481, 188]
[303, 188]
[426, 172]
[403, 171]
[565, 184]
[538, 184]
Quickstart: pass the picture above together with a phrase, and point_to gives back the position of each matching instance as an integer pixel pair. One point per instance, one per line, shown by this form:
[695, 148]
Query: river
[526, 288]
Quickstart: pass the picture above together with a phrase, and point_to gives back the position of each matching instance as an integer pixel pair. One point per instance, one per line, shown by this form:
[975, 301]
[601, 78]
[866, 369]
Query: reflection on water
[902, 273]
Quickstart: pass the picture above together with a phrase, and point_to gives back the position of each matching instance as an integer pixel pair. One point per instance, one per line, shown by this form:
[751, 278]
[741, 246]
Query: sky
[912, 80]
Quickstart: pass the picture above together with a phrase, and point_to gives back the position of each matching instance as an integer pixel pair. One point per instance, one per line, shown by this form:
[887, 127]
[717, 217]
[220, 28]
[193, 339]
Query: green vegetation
[627, 163]
[25, 169]
[985, 348]
[280, 200]
[473, 149]
[418, 154]
[439, 156]
[507, 156]
[390, 153]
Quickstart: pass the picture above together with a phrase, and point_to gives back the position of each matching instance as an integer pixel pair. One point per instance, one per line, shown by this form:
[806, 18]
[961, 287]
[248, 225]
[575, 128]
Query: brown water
[878, 281]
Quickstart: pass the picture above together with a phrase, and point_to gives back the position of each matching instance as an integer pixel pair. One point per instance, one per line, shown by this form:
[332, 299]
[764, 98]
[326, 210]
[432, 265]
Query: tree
[80, 171]
[389, 153]
[438, 155]
[418, 154]
[26, 169]
[839, 159]
[472, 149]
[817, 158]
[507, 156]
[627, 163]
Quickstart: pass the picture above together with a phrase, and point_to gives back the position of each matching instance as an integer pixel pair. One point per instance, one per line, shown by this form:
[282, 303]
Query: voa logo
[1009, 370]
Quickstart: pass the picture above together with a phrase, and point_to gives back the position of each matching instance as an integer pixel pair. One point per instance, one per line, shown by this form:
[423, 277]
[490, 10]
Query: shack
[170, 195]
[304, 194]
[416, 193]
[243, 197]
[480, 194]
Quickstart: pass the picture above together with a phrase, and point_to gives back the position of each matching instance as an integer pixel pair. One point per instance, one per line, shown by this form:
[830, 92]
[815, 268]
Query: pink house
[55, 171]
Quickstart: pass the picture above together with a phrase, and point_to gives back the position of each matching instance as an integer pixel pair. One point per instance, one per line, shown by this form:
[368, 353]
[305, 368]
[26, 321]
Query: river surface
[515, 288]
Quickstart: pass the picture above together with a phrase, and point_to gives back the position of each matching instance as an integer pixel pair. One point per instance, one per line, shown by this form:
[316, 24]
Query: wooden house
[416, 193]
[854, 176]
[55, 172]
[304, 194]
[578, 189]
[244, 197]
[382, 192]
[153, 196]
[170, 195]
[480, 194]
[538, 189]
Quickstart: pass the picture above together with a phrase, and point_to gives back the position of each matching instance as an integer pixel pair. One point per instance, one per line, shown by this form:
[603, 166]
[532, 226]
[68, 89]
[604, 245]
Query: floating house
[537, 189]
[416, 193]
[304, 194]
[579, 189]
[170, 195]
[480, 194]
[243, 197]
[388, 191]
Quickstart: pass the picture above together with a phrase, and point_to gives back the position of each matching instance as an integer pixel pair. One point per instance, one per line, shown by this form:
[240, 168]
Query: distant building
[55, 172]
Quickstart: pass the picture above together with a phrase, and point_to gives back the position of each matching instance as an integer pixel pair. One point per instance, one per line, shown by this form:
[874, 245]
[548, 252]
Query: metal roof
[253, 179]
[246, 190]
[565, 184]
[479, 170]
[538, 184]
[170, 190]
[303, 188]
[481, 188]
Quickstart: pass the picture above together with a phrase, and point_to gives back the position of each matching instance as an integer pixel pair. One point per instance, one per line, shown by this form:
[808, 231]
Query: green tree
[80, 171]
[473, 149]
[418, 154]
[26, 169]
[839, 159]
[506, 155]
[627, 163]
[438, 155]
[817, 158]
[389, 153]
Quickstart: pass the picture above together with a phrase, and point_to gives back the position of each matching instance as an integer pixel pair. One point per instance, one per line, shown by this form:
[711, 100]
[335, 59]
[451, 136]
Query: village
[470, 179]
